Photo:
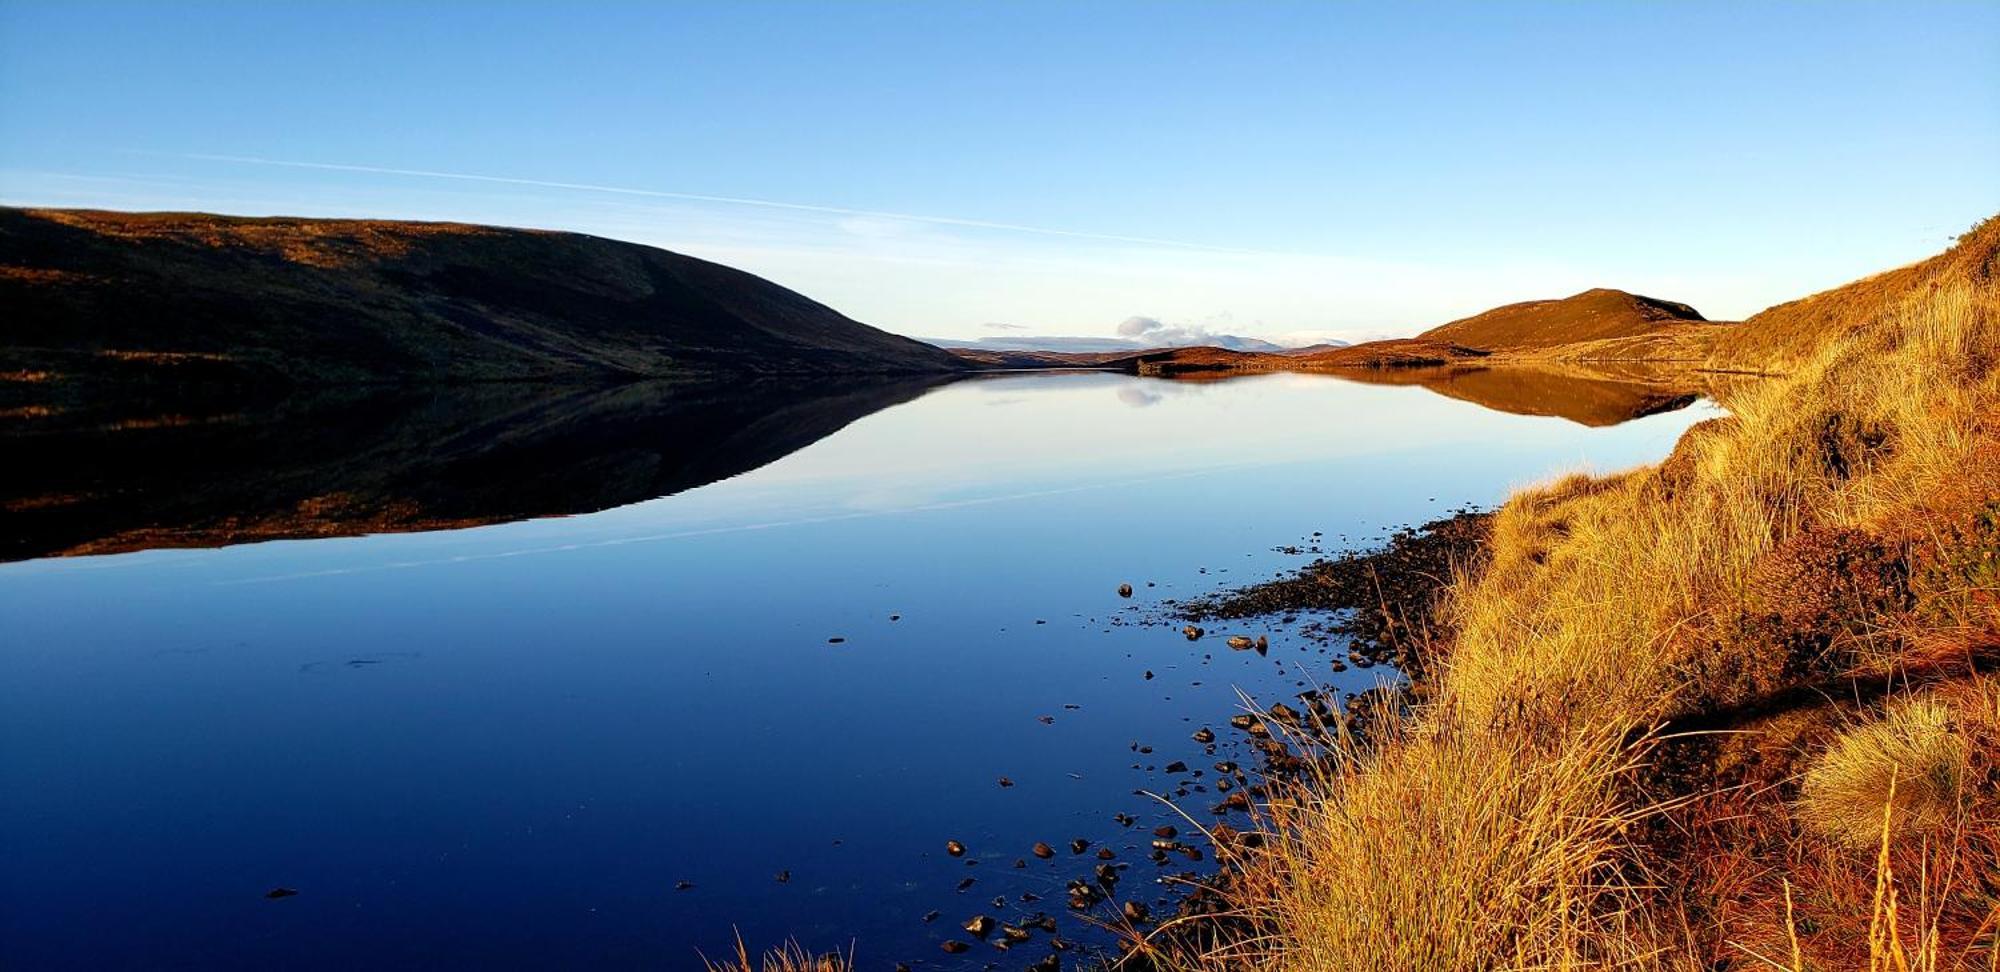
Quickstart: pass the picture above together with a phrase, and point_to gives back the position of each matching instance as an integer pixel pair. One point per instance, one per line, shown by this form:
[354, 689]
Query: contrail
[700, 197]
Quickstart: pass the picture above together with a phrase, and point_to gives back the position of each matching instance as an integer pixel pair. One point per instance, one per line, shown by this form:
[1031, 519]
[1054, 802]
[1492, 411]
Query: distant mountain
[179, 297]
[1093, 345]
[1011, 358]
[1077, 345]
[1593, 315]
[1320, 348]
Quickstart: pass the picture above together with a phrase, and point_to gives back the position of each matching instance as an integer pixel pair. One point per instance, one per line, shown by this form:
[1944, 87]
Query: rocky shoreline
[1384, 604]
[1366, 608]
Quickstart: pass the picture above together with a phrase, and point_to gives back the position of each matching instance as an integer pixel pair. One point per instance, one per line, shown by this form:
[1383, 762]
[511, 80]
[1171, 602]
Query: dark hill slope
[1593, 315]
[195, 296]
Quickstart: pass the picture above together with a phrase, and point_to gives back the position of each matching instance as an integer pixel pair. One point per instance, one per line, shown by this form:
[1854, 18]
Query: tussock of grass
[1839, 528]
[1913, 760]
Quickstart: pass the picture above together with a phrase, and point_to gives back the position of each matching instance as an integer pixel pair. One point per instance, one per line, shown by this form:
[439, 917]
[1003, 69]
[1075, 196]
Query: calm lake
[601, 739]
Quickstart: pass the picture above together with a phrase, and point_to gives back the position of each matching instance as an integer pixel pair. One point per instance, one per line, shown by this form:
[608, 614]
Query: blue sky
[1270, 168]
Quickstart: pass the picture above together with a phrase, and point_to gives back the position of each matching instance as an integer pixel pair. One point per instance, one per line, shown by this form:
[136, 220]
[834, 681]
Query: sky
[1291, 171]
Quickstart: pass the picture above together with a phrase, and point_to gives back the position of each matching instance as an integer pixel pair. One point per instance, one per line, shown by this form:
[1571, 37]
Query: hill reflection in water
[358, 461]
[133, 476]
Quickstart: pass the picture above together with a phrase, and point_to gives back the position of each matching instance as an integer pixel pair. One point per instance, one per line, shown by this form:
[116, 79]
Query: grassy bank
[1732, 711]
[1735, 711]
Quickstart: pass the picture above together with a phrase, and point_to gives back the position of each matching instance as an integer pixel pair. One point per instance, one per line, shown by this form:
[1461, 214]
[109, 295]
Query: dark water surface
[508, 745]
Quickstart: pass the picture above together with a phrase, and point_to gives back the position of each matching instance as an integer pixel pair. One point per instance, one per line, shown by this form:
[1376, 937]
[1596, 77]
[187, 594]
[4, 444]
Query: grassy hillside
[1594, 326]
[1593, 315]
[1784, 336]
[181, 297]
[1734, 711]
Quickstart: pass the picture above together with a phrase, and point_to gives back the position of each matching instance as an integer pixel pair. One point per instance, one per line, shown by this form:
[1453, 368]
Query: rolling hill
[183, 297]
[1593, 315]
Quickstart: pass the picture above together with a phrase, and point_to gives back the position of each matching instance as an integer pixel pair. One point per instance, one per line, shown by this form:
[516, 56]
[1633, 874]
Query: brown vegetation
[117, 299]
[1594, 326]
[1736, 711]
[1593, 315]
[790, 957]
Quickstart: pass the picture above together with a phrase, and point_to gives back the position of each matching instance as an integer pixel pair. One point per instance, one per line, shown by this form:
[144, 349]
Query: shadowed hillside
[189, 298]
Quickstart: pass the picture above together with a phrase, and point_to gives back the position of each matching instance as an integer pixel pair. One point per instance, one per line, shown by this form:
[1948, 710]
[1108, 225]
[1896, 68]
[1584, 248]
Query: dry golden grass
[1913, 760]
[790, 957]
[1839, 527]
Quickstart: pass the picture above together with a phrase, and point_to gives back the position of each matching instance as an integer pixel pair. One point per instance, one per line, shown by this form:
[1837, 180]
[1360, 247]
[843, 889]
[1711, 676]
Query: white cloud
[1215, 330]
[1137, 326]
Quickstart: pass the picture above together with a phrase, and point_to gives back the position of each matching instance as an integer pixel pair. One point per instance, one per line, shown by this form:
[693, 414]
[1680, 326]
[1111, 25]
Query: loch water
[572, 678]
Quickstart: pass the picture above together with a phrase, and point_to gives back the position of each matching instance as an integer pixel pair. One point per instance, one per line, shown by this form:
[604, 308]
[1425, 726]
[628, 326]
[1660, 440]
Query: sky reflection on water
[508, 744]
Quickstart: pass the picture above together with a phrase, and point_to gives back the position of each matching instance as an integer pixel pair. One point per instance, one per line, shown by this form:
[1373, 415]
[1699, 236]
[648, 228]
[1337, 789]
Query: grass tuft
[789, 957]
[1914, 761]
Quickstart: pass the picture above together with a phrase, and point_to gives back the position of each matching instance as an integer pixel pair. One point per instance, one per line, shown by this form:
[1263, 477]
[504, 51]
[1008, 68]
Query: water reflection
[513, 745]
[341, 463]
[1595, 395]
[344, 463]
